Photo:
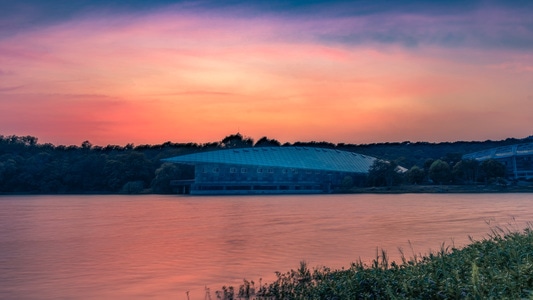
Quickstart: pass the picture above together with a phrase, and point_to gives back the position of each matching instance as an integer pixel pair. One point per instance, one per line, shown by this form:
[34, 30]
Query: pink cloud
[192, 78]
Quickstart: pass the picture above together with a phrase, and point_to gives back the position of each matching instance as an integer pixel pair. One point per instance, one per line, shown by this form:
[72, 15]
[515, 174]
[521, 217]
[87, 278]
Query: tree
[427, 164]
[439, 172]
[466, 170]
[86, 145]
[8, 169]
[492, 169]
[132, 187]
[384, 173]
[236, 141]
[452, 158]
[416, 175]
[266, 142]
[163, 175]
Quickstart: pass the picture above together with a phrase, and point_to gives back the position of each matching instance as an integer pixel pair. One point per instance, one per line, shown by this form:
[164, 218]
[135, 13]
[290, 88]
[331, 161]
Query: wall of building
[241, 179]
[518, 159]
[518, 167]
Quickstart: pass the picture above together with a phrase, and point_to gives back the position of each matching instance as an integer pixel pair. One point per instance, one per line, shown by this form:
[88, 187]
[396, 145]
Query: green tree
[440, 172]
[416, 175]
[492, 169]
[466, 171]
[132, 187]
[163, 176]
[8, 170]
[384, 173]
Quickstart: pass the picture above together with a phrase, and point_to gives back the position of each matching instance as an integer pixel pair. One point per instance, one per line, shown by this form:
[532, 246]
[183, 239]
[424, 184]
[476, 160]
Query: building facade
[283, 170]
[517, 159]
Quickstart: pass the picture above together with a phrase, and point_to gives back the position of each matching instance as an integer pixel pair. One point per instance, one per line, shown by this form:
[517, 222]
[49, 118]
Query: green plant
[499, 266]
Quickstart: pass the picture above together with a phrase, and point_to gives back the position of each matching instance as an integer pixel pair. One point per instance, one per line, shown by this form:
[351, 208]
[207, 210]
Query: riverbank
[402, 189]
[498, 267]
[415, 189]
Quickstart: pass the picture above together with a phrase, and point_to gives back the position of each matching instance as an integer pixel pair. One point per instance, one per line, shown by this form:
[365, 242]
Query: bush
[498, 267]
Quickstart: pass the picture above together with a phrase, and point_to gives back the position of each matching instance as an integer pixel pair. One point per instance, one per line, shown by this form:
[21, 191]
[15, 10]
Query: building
[518, 159]
[273, 170]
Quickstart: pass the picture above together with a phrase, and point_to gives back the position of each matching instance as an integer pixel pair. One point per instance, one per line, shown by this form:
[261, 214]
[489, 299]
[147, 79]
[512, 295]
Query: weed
[497, 267]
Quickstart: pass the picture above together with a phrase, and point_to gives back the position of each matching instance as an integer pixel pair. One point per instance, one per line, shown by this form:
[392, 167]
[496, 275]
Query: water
[159, 247]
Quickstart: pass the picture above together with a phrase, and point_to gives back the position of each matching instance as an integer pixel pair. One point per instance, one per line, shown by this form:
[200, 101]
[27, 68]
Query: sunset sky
[147, 72]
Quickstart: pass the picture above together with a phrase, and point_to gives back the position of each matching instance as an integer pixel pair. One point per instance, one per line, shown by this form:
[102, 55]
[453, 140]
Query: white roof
[502, 152]
[283, 157]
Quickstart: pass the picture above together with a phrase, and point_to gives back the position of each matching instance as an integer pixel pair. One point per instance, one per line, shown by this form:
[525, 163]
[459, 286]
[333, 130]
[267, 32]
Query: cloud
[414, 23]
[6, 73]
[10, 88]
[487, 28]
[62, 118]
[368, 75]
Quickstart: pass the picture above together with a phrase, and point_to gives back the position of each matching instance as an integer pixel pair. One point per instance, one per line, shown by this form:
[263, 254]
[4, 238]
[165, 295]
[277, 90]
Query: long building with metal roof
[273, 170]
[518, 159]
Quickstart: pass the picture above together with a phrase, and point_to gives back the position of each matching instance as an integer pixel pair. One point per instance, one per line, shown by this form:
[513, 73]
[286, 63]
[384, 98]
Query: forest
[28, 167]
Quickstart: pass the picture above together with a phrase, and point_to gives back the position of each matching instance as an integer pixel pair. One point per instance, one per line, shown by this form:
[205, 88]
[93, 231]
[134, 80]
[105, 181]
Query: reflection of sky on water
[125, 247]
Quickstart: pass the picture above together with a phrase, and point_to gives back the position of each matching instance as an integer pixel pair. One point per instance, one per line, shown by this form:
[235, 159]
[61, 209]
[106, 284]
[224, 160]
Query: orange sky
[175, 75]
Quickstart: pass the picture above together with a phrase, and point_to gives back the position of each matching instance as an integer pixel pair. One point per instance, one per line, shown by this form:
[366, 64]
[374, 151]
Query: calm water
[141, 247]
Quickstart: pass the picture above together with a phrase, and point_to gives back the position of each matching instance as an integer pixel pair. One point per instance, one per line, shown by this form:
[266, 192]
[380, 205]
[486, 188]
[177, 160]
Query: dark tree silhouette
[416, 175]
[384, 173]
[266, 142]
[440, 172]
[492, 169]
[29, 167]
[236, 141]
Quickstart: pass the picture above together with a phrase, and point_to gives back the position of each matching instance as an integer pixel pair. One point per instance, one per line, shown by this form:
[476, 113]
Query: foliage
[440, 172]
[497, 267]
[384, 173]
[266, 142]
[492, 169]
[29, 167]
[416, 175]
[466, 170]
[167, 172]
[236, 141]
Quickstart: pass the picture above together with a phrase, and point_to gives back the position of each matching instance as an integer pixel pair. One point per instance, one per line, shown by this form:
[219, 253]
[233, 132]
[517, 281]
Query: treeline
[29, 167]
[439, 171]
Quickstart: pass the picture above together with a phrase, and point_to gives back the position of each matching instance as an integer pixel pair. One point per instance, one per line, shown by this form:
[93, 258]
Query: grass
[499, 266]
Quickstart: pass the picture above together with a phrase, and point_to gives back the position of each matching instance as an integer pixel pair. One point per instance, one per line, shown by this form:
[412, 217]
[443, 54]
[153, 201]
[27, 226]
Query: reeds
[499, 266]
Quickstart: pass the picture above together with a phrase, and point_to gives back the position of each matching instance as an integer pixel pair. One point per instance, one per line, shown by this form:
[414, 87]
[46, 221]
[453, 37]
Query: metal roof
[283, 157]
[502, 152]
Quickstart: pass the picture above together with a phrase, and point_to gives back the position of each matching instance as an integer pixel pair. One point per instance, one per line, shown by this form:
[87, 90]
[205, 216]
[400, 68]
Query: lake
[160, 247]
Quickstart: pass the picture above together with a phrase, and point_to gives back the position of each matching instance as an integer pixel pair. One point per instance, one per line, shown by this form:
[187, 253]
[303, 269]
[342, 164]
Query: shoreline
[438, 189]
[402, 189]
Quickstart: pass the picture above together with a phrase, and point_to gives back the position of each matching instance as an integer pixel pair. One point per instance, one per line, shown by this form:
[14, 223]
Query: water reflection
[124, 247]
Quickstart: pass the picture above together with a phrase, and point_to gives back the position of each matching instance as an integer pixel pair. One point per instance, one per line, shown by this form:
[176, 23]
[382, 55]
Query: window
[233, 170]
[244, 170]
[215, 170]
[259, 170]
[270, 171]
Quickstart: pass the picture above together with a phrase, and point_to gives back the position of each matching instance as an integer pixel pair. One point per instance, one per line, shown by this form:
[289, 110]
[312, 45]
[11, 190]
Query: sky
[147, 72]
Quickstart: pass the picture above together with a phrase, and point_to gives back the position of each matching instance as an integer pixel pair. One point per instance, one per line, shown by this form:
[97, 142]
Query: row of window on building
[259, 187]
[258, 170]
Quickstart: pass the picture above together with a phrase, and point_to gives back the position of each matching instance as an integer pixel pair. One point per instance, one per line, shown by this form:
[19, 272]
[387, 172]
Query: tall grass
[499, 266]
